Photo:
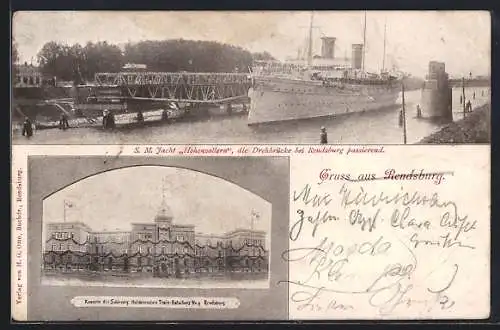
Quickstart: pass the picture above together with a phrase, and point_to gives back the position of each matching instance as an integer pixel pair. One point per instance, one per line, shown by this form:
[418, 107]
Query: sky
[461, 39]
[112, 200]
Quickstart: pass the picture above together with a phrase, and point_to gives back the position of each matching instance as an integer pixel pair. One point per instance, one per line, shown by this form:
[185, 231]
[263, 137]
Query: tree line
[79, 63]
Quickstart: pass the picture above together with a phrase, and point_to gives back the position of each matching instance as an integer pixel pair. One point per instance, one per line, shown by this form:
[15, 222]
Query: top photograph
[251, 77]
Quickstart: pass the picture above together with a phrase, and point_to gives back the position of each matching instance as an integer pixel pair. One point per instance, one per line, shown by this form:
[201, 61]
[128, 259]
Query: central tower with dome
[163, 220]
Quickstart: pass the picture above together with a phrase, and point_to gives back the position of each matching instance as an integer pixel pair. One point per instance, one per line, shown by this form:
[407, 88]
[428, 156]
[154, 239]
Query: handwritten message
[372, 237]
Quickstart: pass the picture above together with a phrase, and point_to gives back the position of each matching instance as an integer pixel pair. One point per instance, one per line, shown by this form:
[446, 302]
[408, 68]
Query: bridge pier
[437, 94]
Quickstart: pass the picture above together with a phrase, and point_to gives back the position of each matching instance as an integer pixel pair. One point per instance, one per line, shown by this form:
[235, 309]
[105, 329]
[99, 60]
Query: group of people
[28, 125]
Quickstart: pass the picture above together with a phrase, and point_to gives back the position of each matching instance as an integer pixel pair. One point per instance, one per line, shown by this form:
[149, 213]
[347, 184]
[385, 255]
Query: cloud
[459, 38]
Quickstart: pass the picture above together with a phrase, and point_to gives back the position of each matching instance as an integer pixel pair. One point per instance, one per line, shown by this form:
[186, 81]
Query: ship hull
[275, 100]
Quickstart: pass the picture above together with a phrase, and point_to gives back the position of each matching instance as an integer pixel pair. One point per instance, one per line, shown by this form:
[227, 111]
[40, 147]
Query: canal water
[375, 127]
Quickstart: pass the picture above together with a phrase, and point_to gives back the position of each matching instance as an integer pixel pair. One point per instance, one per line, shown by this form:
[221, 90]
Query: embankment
[474, 128]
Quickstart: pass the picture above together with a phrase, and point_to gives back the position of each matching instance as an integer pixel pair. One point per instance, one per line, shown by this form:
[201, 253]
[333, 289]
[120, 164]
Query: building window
[70, 247]
[54, 247]
[180, 238]
[60, 247]
[162, 250]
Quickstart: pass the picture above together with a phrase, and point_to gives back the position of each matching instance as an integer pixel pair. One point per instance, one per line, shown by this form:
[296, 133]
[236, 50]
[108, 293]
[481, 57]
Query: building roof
[135, 66]
[110, 232]
[148, 224]
[241, 230]
[183, 226]
[79, 223]
[230, 233]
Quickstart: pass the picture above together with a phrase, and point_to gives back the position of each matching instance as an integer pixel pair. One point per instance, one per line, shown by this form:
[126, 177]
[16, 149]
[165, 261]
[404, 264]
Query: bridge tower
[436, 93]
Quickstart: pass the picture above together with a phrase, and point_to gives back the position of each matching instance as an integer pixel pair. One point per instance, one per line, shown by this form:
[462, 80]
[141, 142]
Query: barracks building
[161, 247]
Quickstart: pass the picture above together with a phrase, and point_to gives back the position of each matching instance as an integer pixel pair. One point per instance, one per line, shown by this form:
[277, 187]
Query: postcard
[90, 77]
[250, 165]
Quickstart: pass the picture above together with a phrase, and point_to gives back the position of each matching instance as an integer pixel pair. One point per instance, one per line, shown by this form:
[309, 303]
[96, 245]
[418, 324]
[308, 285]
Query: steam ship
[289, 90]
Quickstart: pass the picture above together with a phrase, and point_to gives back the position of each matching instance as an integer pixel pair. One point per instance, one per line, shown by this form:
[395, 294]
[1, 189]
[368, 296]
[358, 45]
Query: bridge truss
[214, 88]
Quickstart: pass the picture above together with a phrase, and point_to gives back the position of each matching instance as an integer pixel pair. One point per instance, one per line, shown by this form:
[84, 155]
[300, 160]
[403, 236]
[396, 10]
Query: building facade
[27, 76]
[161, 248]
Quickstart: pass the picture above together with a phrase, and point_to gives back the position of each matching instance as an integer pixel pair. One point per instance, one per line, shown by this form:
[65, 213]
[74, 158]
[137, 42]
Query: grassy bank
[474, 128]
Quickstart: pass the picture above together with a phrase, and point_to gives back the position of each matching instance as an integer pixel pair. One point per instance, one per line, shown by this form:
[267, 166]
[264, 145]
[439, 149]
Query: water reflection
[377, 127]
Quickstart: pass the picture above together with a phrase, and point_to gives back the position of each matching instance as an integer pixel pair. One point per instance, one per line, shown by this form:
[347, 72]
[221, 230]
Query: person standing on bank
[111, 120]
[105, 119]
[468, 106]
[323, 136]
[27, 127]
[419, 111]
[140, 117]
[63, 122]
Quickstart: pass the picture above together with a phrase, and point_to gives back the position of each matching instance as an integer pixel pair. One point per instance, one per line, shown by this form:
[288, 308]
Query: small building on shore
[27, 75]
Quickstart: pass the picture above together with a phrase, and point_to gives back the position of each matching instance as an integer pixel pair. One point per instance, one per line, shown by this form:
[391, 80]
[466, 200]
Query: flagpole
[463, 94]
[404, 113]
[364, 44]
[385, 32]
[251, 235]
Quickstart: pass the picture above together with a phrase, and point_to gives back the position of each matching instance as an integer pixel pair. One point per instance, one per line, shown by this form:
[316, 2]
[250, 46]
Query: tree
[263, 56]
[14, 52]
[54, 59]
[188, 55]
[14, 60]
[100, 57]
[77, 63]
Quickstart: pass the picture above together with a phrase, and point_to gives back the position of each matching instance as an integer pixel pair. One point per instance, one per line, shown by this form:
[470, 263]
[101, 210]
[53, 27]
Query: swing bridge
[186, 87]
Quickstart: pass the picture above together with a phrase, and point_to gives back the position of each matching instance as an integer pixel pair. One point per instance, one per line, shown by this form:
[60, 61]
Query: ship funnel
[328, 47]
[357, 56]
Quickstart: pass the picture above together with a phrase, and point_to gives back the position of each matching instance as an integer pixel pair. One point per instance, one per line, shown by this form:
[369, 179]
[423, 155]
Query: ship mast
[385, 32]
[364, 45]
[309, 50]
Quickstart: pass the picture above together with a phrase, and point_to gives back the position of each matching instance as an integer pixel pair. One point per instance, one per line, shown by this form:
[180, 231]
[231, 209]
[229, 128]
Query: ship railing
[358, 81]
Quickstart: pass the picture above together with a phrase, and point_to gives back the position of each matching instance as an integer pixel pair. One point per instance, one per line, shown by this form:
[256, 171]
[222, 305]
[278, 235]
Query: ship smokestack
[328, 47]
[357, 56]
